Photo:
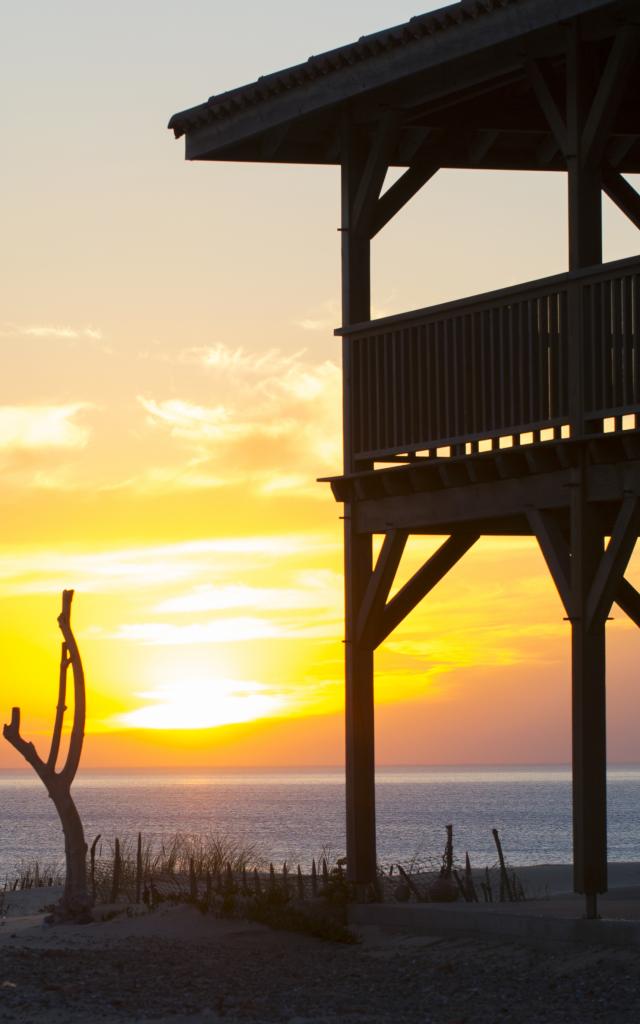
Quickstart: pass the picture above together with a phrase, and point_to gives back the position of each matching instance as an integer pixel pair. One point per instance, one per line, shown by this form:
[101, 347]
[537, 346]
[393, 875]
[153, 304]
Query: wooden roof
[457, 78]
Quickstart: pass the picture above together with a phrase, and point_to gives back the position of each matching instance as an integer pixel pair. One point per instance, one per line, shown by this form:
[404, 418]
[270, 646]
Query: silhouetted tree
[75, 902]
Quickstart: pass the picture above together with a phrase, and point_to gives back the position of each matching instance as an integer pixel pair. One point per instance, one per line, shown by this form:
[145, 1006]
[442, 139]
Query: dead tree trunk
[75, 903]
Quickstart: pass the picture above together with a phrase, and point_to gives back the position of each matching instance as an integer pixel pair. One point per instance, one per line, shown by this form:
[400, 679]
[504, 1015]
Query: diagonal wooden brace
[555, 549]
[620, 63]
[608, 584]
[373, 174]
[614, 561]
[623, 194]
[398, 195]
[548, 105]
[424, 580]
[628, 598]
[380, 583]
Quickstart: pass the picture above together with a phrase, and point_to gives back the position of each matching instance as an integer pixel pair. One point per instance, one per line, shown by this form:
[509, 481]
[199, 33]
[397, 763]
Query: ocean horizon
[297, 813]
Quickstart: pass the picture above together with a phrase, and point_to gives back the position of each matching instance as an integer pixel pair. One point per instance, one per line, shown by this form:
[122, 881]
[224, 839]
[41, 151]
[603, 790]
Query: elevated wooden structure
[507, 413]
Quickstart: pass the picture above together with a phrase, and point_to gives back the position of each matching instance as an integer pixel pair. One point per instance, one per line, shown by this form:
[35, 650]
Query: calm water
[297, 814]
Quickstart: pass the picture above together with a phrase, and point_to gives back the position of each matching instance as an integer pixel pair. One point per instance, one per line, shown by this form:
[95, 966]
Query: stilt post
[588, 672]
[359, 701]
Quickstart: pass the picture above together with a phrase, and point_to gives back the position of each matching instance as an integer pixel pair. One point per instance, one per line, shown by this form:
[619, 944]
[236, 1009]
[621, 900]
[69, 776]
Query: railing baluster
[635, 332]
[485, 354]
[627, 340]
[591, 319]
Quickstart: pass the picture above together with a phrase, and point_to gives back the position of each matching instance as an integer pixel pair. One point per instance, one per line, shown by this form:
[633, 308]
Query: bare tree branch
[65, 661]
[79, 701]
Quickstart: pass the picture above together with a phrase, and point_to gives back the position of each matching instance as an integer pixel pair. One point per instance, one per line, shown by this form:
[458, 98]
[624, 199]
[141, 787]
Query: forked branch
[75, 902]
[11, 733]
[70, 656]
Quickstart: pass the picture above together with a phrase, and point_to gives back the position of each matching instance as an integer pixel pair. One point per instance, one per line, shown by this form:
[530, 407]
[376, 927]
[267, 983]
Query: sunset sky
[170, 393]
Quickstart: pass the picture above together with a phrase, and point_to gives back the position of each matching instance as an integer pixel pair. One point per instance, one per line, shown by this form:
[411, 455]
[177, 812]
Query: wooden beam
[612, 84]
[613, 562]
[379, 585]
[628, 598]
[618, 148]
[423, 581]
[374, 173]
[411, 140]
[480, 144]
[547, 150]
[392, 201]
[548, 104]
[585, 195]
[270, 144]
[623, 194]
[555, 549]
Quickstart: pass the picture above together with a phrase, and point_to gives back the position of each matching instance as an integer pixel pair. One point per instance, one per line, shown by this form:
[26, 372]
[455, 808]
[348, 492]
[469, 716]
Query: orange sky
[171, 392]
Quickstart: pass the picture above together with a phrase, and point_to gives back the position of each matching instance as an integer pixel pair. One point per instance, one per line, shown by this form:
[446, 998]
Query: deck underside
[493, 492]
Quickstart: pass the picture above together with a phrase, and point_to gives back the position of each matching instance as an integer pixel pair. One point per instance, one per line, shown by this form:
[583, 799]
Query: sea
[295, 815]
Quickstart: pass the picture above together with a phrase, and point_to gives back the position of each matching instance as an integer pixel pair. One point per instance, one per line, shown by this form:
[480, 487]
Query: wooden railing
[496, 366]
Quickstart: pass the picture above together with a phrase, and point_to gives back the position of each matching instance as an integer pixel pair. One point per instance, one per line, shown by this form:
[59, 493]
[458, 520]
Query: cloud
[324, 318]
[327, 316]
[319, 590]
[238, 360]
[315, 325]
[216, 631]
[224, 630]
[273, 425]
[50, 331]
[200, 424]
[42, 426]
[38, 571]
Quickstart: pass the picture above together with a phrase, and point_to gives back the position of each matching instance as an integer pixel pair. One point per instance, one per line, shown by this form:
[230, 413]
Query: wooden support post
[358, 561]
[589, 579]
[589, 762]
[584, 171]
[588, 674]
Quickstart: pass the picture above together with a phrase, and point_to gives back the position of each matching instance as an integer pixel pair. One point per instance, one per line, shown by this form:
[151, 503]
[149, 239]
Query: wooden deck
[497, 368]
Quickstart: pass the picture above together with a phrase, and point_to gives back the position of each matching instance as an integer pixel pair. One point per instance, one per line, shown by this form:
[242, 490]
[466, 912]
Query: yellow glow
[170, 401]
[202, 704]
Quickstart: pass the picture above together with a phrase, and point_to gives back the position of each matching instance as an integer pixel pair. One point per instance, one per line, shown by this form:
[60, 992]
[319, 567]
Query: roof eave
[214, 128]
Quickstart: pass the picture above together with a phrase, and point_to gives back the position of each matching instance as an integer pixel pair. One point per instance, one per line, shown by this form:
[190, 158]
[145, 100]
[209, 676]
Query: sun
[202, 703]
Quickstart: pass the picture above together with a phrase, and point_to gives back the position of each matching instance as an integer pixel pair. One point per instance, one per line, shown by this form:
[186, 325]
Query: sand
[177, 965]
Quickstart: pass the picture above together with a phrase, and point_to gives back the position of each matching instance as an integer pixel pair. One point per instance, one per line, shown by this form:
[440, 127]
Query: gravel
[264, 976]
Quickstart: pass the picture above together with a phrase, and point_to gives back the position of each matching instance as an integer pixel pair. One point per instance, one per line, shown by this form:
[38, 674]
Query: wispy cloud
[223, 630]
[322, 589]
[200, 424]
[145, 568]
[59, 332]
[216, 631]
[324, 318]
[274, 427]
[42, 426]
[239, 360]
[327, 316]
